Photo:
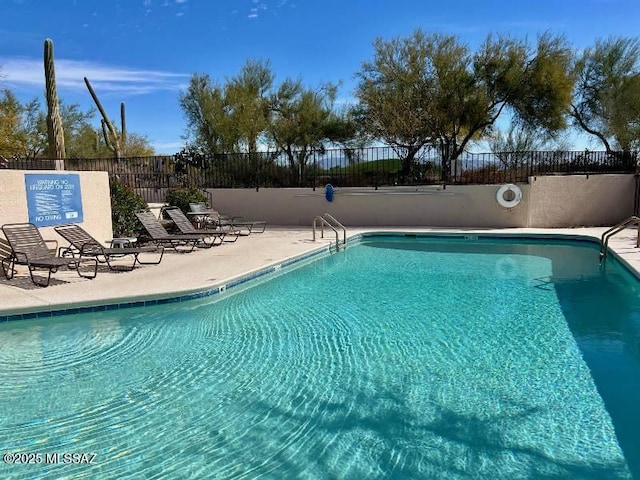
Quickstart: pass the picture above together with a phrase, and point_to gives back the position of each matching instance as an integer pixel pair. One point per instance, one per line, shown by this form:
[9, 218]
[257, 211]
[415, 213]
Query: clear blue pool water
[397, 358]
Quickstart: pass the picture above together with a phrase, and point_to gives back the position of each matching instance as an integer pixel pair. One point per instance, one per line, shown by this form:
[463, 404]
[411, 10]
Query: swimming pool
[396, 358]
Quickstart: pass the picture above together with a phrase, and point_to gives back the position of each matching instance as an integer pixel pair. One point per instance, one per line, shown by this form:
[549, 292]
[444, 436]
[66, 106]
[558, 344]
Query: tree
[203, 106]
[230, 118]
[248, 114]
[87, 142]
[393, 95]
[138, 145]
[433, 90]
[521, 143]
[23, 131]
[607, 94]
[304, 119]
[10, 111]
[247, 104]
[75, 124]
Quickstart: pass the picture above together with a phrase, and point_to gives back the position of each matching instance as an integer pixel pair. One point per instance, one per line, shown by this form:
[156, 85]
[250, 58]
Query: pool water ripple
[393, 369]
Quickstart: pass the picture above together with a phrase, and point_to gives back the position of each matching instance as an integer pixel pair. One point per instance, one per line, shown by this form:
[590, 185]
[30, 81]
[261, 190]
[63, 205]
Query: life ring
[514, 190]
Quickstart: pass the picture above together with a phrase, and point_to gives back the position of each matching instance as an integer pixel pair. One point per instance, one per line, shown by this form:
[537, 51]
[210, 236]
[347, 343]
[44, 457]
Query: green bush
[181, 197]
[124, 204]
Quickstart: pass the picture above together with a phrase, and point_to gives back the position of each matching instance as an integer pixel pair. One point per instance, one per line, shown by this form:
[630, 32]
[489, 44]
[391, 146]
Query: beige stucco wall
[580, 200]
[558, 201]
[96, 202]
[455, 206]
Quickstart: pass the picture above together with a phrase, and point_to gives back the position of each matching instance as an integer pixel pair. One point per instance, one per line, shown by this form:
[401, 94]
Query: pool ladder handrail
[326, 219]
[604, 240]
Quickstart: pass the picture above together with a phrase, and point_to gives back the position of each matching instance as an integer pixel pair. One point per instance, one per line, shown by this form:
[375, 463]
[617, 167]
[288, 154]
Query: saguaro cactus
[115, 142]
[55, 133]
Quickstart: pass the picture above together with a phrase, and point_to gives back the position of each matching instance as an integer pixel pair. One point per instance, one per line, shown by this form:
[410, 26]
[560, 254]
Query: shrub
[124, 204]
[181, 197]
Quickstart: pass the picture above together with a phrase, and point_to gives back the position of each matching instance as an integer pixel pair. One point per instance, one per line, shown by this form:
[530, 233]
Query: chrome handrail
[323, 222]
[338, 224]
[604, 240]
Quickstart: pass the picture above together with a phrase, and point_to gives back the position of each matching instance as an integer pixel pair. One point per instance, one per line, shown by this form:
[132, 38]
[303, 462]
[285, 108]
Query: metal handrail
[338, 224]
[604, 240]
[323, 222]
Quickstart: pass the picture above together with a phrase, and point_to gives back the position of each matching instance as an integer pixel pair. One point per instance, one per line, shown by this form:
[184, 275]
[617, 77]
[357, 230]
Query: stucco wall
[561, 201]
[455, 206]
[571, 201]
[96, 203]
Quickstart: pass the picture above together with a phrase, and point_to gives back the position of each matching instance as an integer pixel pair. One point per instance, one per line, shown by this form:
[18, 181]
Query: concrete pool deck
[204, 269]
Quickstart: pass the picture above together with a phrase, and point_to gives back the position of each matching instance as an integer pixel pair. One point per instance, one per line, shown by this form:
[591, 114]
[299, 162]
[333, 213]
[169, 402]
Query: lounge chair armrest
[90, 246]
[63, 251]
[20, 256]
[229, 218]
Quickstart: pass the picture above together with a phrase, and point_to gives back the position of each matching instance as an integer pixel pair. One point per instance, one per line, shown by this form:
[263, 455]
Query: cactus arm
[105, 134]
[123, 129]
[110, 137]
[55, 133]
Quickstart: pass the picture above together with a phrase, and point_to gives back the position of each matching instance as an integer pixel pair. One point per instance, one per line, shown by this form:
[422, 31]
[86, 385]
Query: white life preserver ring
[514, 189]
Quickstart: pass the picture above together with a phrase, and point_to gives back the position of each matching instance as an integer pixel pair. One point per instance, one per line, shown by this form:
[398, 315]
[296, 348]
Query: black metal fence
[368, 167]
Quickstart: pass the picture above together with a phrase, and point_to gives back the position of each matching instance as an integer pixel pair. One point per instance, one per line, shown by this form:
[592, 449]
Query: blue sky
[142, 52]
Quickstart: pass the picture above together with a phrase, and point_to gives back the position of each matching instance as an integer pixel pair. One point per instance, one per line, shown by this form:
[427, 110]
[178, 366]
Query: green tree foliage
[304, 119]
[88, 142]
[247, 104]
[138, 145]
[432, 90]
[394, 91]
[249, 113]
[23, 131]
[606, 101]
[203, 106]
[9, 121]
[75, 123]
[230, 118]
[520, 142]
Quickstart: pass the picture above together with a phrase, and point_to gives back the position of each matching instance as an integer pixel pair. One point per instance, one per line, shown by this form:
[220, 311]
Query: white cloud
[29, 73]
[167, 146]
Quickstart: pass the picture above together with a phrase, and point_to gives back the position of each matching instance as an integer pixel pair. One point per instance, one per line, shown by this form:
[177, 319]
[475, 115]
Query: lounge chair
[83, 244]
[159, 235]
[239, 225]
[185, 226]
[30, 249]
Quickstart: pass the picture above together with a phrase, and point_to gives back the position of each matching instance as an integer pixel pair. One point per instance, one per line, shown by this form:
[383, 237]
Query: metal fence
[368, 167]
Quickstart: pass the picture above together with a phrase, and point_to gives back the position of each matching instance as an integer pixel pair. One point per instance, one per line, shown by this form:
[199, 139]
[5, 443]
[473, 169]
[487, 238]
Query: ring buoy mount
[514, 195]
